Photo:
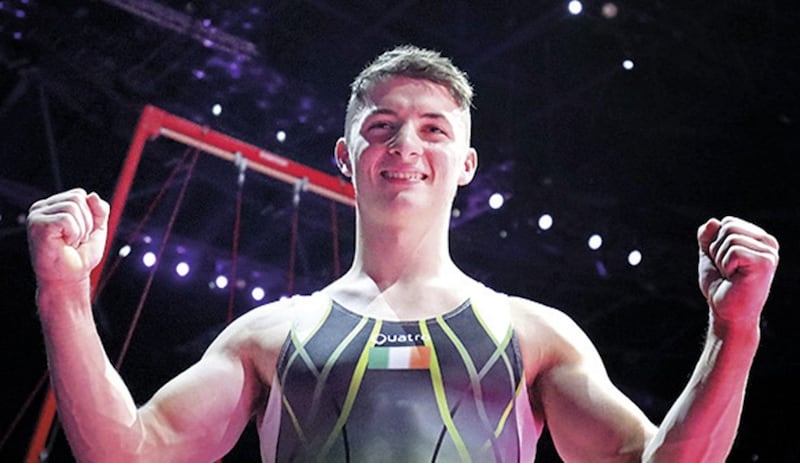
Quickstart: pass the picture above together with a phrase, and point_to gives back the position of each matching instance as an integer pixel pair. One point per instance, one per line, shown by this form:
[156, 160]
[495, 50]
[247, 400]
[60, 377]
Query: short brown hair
[414, 62]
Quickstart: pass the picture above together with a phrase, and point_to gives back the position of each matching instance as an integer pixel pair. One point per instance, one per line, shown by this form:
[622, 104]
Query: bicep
[201, 413]
[588, 417]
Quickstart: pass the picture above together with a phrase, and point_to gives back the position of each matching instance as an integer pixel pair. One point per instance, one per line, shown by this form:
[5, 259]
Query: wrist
[741, 331]
[54, 297]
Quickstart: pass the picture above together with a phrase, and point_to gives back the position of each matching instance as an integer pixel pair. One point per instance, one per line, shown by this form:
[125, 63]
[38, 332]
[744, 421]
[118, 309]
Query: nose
[405, 142]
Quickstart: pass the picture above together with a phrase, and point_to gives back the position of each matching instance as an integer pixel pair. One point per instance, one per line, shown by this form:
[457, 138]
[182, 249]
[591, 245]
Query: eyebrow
[391, 112]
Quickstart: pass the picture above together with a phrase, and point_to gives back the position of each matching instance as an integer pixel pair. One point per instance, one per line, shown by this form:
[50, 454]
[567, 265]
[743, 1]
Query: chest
[358, 384]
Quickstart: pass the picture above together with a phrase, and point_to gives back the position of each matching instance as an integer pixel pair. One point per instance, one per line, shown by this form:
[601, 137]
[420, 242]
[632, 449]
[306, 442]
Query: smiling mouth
[406, 176]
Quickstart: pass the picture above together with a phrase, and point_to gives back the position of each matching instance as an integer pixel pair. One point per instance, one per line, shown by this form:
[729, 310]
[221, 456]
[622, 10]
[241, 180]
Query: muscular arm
[702, 423]
[590, 420]
[195, 417]
[736, 266]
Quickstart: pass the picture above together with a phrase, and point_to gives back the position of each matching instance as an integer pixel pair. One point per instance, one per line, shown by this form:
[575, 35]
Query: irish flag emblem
[400, 358]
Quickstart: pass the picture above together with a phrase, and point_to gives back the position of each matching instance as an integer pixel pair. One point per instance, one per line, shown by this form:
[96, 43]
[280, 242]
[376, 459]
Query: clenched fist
[737, 263]
[66, 235]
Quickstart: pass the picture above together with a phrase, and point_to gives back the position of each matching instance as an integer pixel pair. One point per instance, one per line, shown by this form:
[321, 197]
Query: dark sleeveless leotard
[361, 389]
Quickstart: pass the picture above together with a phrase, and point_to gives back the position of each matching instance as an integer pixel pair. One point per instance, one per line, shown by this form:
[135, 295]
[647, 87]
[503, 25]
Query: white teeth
[403, 175]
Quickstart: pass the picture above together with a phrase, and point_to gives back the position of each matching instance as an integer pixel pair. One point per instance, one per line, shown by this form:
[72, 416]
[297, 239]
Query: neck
[392, 253]
[402, 270]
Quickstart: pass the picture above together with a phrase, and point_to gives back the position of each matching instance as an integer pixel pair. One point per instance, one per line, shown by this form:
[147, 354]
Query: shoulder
[284, 312]
[258, 335]
[543, 319]
[547, 337]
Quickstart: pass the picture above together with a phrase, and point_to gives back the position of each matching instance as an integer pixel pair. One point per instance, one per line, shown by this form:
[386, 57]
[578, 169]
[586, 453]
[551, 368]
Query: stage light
[182, 269]
[575, 7]
[216, 109]
[595, 242]
[610, 10]
[221, 281]
[199, 74]
[125, 250]
[601, 269]
[234, 70]
[545, 222]
[627, 64]
[257, 293]
[496, 201]
[149, 259]
[635, 258]
[280, 135]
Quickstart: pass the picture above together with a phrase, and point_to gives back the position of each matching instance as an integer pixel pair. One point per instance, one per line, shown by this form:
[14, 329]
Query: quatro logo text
[402, 338]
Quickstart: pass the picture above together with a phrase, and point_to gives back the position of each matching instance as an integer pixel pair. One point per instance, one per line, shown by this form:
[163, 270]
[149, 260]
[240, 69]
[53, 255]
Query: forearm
[95, 407]
[702, 424]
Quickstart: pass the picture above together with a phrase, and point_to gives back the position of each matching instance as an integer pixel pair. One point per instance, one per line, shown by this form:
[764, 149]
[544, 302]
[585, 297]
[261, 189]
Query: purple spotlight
[234, 70]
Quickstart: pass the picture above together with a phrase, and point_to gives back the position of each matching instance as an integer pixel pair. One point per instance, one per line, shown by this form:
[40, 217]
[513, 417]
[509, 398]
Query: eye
[379, 125]
[436, 130]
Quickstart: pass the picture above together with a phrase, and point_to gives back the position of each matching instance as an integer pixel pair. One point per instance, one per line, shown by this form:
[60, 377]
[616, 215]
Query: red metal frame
[155, 122]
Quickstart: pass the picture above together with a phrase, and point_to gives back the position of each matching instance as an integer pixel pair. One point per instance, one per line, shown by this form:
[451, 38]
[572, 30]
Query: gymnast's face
[408, 148]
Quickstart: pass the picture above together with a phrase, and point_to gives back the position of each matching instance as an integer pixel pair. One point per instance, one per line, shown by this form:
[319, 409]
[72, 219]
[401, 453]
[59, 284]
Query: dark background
[705, 124]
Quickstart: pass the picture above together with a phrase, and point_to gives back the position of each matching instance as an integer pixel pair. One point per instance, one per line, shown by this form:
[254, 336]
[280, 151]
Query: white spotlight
[595, 242]
[257, 293]
[496, 201]
[221, 281]
[635, 258]
[545, 222]
[627, 64]
[280, 135]
[216, 109]
[575, 7]
[149, 259]
[182, 269]
[125, 250]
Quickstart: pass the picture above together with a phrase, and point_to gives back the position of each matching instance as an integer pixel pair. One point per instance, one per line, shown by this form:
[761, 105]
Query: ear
[470, 165]
[342, 155]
